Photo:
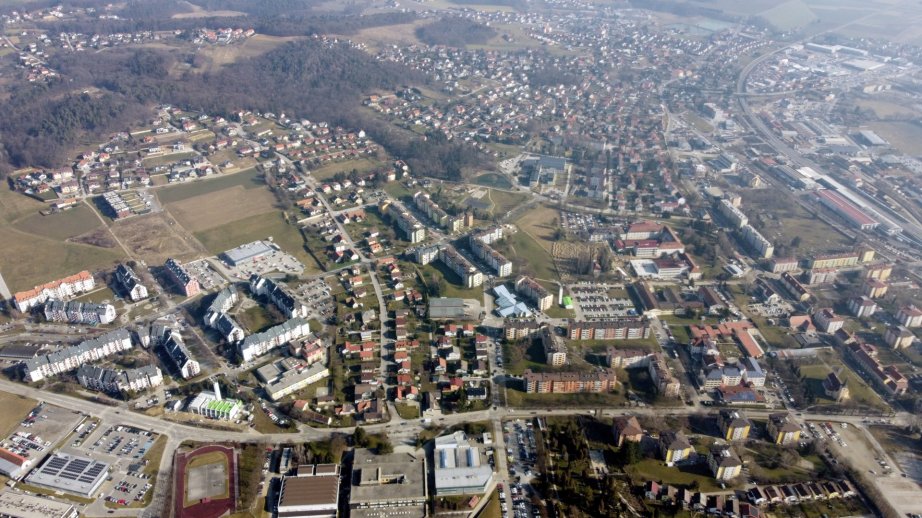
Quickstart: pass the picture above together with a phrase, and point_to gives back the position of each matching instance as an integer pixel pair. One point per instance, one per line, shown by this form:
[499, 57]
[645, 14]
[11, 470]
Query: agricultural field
[154, 238]
[400, 34]
[885, 109]
[249, 179]
[207, 211]
[218, 56]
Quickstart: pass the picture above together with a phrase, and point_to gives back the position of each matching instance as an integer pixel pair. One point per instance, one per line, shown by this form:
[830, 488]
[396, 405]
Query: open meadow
[207, 211]
[154, 238]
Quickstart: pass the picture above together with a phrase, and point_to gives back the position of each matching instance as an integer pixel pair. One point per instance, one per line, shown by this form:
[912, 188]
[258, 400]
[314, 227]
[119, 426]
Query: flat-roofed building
[460, 467]
[388, 485]
[246, 253]
[312, 493]
[470, 276]
[910, 316]
[74, 474]
[446, 307]
[21, 505]
[555, 349]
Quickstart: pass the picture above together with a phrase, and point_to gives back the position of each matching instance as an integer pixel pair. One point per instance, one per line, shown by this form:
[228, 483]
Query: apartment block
[259, 344]
[187, 284]
[79, 312]
[470, 276]
[130, 282]
[112, 380]
[59, 289]
[535, 292]
[278, 295]
[617, 329]
[70, 358]
[569, 382]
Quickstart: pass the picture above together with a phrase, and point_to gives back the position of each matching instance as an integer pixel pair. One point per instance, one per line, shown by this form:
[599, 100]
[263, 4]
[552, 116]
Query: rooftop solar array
[80, 475]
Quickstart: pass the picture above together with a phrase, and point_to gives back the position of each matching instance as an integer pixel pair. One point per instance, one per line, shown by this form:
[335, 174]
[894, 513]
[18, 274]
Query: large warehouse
[71, 473]
[246, 253]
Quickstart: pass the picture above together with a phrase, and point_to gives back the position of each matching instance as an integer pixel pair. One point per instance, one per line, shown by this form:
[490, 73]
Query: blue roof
[518, 310]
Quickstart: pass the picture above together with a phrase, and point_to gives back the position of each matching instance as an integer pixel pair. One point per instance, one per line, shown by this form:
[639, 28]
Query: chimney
[217, 390]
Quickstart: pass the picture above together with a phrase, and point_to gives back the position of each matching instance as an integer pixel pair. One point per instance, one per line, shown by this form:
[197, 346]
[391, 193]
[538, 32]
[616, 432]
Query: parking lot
[316, 294]
[519, 436]
[129, 487]
[207, 277]
[43, 427]
[123, 442]
[595, 301]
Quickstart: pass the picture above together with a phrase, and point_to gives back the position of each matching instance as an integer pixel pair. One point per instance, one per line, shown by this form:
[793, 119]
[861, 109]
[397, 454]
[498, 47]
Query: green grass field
[63, 225]
[249, 179]
[504, 202]
[362, 165]
[653, 469]
[860, 393]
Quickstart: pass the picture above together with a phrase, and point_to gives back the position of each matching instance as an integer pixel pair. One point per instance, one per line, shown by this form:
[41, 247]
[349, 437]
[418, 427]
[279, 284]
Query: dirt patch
[211, 210]
[213, 58]
[99, 237]
[154, 238]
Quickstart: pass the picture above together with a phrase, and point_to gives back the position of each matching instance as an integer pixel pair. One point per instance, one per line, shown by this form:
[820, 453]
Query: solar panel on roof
[68, 476]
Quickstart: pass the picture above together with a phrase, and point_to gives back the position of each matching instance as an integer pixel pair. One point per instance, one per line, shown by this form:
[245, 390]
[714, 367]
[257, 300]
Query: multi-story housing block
[79, 312]
[732, 214]
[411, 228]
[762, 247]
[278, 295]
[188, 285]
[59, 289]
[111, 380]
[535, 292]
[260, 343]
[470, 276]
[431, 209]
[616, 329]
[569, 382]
[130, 282]
[70, 358]
[176, 351]
[496, 260]
[733, 425]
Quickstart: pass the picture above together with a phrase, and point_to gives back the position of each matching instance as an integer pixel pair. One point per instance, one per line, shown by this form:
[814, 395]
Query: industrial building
[74, 474]
[459, 466]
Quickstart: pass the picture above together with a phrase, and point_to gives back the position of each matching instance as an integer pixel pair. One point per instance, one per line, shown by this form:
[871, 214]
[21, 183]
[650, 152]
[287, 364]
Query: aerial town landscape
[461, 258]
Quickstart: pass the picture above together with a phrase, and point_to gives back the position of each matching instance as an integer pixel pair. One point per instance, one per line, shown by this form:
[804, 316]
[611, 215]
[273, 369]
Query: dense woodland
[106, 91]
[454, 32]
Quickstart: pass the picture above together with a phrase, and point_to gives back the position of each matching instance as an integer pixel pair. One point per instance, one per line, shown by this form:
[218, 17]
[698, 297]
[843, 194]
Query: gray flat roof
[387, 478]
[32, 506]
[71, 473]
[247, 252]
